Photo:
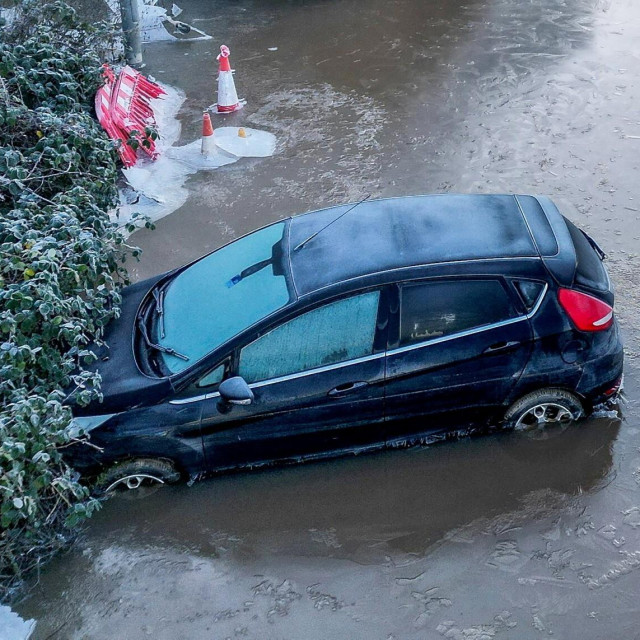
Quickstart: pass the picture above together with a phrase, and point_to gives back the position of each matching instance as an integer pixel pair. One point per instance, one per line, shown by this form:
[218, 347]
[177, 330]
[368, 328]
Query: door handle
[501, 346]
[347, 387]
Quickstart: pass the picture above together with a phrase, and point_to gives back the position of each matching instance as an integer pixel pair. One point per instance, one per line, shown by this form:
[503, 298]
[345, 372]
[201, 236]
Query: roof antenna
[313, 235]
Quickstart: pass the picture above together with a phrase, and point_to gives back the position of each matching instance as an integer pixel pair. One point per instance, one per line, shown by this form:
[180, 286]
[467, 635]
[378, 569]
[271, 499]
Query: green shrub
[60, 268]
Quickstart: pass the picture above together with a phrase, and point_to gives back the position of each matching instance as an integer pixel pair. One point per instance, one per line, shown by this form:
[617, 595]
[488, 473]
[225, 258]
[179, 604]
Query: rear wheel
[544, 413]
[141, 475]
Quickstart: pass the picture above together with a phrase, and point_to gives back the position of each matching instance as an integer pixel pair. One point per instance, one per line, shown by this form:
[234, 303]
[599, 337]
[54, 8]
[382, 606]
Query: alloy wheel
[134, 481]
[542, 415]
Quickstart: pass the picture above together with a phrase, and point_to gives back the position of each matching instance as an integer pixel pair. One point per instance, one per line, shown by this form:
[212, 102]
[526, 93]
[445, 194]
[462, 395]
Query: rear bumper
[601, 374]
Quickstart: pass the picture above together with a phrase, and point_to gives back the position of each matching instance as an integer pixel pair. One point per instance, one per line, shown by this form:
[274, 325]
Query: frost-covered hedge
[60, 266]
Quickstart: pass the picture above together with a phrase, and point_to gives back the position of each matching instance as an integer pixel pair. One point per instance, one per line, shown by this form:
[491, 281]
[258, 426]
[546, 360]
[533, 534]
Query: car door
[456, 349]
[318, 382]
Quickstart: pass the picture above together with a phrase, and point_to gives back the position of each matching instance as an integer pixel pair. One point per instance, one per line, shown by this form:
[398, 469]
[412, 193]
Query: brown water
[499, 536]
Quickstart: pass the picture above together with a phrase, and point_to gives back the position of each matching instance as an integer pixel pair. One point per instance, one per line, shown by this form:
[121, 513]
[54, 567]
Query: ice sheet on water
[165, 110]
[155, 20]
[152, 23]
[605, 411]
[160, 183]
[190, 156]
[255, 143]
[13, 627]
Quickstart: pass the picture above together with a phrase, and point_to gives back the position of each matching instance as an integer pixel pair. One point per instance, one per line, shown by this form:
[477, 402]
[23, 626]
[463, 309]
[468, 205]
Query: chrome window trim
[469, 332]
[453, 336]
[328, 367]
[375, 356]
[538, 303]
[204, 396]
[291, 376]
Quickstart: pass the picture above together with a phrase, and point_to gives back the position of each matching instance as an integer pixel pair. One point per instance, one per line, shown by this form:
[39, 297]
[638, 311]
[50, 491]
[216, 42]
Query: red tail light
[586, 312]
[617, 386]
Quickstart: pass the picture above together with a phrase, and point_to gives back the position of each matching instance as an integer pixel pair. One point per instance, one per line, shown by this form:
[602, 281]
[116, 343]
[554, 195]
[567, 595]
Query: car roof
[382, 235]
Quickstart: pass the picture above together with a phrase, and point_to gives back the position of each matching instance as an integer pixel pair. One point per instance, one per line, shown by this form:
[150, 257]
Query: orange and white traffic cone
[208, 144]
[228, 101]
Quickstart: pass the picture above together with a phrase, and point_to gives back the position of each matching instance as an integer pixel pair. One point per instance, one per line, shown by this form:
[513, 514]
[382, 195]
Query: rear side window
[529, 291]
[437, 309]
[590, 271]
[337, 332]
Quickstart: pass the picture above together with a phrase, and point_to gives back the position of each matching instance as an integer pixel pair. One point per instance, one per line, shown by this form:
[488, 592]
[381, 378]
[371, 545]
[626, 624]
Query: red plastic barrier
[123, 105]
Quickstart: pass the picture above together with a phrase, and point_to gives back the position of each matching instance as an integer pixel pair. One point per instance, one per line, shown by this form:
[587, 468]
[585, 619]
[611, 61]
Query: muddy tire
[143, 473]
[543, 414]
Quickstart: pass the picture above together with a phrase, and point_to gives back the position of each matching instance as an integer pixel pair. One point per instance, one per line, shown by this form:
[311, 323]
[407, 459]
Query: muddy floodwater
[500, 536]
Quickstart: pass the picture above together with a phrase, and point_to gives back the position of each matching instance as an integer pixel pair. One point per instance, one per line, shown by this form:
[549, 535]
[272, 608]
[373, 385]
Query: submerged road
[493, 537]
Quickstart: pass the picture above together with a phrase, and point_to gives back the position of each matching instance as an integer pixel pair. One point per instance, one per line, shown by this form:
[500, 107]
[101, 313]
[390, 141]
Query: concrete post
[131, 28]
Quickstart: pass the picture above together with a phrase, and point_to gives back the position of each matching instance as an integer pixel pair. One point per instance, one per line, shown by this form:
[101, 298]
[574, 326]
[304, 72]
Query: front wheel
[143, 473]
[541, 410]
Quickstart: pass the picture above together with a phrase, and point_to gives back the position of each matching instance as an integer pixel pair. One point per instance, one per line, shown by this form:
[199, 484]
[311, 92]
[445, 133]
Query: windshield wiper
[158, 347]
[158, 296]
[249, 271]
[275, 261]
[594, 245]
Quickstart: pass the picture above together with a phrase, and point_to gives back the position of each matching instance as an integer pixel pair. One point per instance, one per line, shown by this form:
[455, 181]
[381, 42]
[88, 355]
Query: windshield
[221, 295]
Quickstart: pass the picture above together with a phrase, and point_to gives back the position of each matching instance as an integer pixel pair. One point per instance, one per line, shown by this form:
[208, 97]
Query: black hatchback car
[355, 327]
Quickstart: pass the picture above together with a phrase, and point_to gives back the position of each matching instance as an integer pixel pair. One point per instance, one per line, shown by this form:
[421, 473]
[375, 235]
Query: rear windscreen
[590, 271]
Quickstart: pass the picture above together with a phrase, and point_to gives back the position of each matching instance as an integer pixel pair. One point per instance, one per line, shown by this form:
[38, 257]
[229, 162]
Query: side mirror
[234, 391]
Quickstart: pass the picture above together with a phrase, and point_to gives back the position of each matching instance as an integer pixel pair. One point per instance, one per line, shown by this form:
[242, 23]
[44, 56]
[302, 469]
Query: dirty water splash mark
[281, 595]
[501, 622]
[430, 602]
[323, 600]
[629, 563]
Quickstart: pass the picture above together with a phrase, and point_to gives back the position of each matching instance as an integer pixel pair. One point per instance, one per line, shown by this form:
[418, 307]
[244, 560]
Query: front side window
[436, 309]
[337, 332]
[212, 378]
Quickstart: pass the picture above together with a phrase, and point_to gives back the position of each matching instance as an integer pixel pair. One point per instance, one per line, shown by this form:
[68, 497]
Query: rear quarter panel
[558, 350]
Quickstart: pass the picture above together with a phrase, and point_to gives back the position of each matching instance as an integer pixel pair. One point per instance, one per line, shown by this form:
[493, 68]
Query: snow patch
[13, 627]
[9, 15]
